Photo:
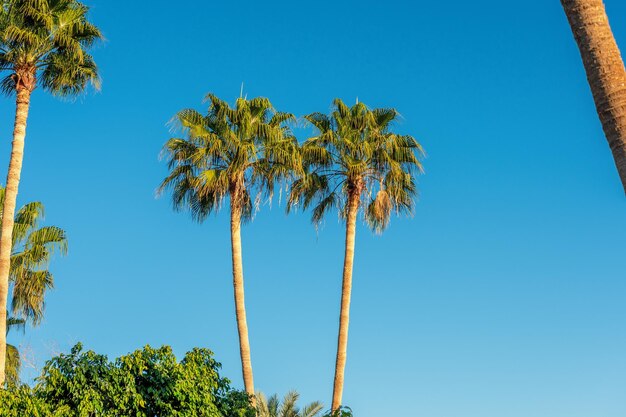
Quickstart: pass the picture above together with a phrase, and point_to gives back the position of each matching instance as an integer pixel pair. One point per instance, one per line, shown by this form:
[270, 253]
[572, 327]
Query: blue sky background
[503, 297]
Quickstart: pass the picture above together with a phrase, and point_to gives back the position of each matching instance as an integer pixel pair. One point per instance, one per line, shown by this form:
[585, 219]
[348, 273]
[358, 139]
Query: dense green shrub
[146, 383]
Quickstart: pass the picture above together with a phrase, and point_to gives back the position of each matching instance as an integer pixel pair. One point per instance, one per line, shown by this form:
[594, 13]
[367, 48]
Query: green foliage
[272, 407]
[20, 402]
[13, 362]
[235, 404]
[239, 152]
[45, 42]
[146, 383]
[340, 412]
[356, 155]
[33, 248]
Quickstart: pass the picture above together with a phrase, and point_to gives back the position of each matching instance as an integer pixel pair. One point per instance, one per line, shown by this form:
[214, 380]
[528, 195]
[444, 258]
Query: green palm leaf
[33, 249]
[13, 359]
[288, 407]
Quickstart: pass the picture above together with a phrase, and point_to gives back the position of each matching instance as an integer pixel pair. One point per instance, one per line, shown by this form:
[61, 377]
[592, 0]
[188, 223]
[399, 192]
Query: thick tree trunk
[240, 305]
[605, 72]
[8, 214]
[346, 291]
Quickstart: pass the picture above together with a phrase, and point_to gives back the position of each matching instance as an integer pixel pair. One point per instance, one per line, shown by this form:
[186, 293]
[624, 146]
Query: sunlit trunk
[605, 72]
[240, 305]
[8, 214]
[346, 291]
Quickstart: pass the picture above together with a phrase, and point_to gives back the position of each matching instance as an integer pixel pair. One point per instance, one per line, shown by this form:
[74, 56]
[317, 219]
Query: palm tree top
[356, 153]
[240, 152]
[47, 39]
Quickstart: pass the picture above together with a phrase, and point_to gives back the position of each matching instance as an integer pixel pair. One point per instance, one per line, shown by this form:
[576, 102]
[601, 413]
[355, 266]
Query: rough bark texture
[346, 292]
[605, 72]
[8, 214]
[240, 305]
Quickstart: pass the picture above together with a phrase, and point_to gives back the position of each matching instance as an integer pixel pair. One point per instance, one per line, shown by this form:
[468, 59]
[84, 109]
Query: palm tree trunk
[346, 291]
[8, 214]
[240, 305]
[605, 72]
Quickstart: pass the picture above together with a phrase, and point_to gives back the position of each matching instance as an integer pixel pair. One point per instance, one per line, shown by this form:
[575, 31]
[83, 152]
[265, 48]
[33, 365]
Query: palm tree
[33, 248]
[237, 153]
[354, 157]
[42, 43]
[272, 407]
[605, 72]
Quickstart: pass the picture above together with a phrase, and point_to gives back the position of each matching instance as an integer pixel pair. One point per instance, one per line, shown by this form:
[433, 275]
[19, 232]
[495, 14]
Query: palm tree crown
[239, 152]
[47, 39]
[355, 155]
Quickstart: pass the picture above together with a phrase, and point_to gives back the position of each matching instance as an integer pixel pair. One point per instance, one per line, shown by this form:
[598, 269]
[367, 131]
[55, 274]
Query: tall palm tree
[33, 248]
[353, 157]
[605, 72]
[237, 153]
[272, 407]
[42, 43]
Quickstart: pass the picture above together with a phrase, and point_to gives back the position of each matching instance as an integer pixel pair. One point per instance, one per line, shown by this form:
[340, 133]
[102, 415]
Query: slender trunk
[346, 291]
[8, 213]
[240, 305]
[605, 72]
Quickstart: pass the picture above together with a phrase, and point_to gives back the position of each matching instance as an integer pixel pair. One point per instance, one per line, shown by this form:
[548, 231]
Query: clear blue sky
[505, 295]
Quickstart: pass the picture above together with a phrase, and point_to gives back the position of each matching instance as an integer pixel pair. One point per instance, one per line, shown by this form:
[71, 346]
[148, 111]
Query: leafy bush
[146, 383]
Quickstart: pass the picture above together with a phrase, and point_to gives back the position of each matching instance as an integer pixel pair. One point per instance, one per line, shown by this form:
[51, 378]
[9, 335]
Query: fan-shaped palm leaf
[33, 248]
[273, 407]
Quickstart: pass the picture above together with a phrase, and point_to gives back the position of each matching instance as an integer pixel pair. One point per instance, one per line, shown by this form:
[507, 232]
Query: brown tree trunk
[346, 291]
[605, 72]
[8, 214]
[240, 305]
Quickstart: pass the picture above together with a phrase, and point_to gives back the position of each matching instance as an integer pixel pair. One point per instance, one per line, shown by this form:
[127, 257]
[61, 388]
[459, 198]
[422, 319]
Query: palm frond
[29, 291]
[273, 407]
[33, 249]
[12, 365]
[14, 323]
